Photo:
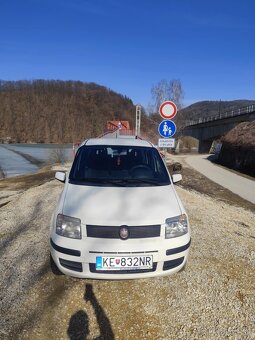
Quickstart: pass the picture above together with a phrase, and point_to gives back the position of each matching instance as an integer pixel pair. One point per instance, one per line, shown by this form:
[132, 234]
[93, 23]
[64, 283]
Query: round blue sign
[167, 128]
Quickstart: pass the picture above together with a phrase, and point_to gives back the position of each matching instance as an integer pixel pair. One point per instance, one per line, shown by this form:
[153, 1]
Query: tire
[54, 267]
[183, 268]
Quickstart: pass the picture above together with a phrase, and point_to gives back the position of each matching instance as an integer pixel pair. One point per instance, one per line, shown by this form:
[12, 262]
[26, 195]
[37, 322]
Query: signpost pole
[138, 120]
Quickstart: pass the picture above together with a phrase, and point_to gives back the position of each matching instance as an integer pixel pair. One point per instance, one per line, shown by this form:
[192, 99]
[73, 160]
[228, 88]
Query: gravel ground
[213, 298]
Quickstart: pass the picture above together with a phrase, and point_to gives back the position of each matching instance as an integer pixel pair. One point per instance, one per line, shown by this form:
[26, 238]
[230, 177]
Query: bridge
[208, 129]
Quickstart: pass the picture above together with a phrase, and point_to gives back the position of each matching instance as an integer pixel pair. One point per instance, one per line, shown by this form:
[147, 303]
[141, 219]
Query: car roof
[118, 141]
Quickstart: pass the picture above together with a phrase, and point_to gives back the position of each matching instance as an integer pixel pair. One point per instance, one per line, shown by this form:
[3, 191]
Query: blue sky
[130, 45]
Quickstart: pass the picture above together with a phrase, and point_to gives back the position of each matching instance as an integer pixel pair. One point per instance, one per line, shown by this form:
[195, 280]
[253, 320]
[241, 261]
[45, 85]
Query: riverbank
[21, 159]
[2, 174]
[28, 157]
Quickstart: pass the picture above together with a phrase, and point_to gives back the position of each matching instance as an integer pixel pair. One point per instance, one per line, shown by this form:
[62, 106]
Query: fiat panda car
[119, 216]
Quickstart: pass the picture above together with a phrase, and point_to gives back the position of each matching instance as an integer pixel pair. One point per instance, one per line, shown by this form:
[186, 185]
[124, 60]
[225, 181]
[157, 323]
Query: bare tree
[177, 93]
[167, 90]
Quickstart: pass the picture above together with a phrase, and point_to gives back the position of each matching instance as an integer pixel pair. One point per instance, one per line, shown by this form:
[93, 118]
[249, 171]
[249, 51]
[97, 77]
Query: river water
[13, 160]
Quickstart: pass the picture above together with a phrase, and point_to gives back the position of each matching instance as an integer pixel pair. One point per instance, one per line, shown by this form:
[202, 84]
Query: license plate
[124, 262]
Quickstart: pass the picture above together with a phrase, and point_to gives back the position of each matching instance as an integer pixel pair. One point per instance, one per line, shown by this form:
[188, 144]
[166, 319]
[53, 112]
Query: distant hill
[54, 111]
[212, 108]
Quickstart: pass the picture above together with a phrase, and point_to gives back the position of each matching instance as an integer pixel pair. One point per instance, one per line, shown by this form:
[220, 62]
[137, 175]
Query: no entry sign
[168, 110]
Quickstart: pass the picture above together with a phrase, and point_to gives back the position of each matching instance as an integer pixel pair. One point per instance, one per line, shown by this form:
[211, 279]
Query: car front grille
[100, 231]
[123, 252]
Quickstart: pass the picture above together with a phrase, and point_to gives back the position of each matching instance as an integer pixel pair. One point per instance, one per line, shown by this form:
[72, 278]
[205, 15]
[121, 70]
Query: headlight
[176, 226]
[68, 226]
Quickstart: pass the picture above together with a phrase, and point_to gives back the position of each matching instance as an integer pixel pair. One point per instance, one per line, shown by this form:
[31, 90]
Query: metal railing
[233, 113]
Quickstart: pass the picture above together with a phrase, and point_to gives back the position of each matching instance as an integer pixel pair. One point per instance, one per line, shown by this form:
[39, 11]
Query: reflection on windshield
[118, 166]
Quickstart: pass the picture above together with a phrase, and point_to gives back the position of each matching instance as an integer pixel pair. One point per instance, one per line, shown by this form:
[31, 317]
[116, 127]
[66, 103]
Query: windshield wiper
[87, 179]
[118, 181]
[101, 180]
[142, 180]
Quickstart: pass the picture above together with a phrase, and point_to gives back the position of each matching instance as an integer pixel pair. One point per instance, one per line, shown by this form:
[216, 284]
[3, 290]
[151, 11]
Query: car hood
[121, 205]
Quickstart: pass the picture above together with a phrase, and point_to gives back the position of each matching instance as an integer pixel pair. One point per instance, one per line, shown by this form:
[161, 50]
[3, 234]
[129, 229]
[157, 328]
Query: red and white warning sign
[168, 110]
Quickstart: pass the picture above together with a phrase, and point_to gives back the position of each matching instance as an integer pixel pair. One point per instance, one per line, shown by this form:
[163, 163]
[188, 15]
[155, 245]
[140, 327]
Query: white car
[119, 216]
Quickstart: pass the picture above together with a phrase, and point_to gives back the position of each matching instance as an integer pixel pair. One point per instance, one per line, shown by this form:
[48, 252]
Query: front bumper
[78, 257]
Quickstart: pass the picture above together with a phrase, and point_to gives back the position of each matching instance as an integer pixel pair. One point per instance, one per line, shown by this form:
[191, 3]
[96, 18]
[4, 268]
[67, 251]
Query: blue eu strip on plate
[99, 262]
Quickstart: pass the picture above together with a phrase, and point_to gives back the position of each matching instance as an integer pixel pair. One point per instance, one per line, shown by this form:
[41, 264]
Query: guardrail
[233, 113]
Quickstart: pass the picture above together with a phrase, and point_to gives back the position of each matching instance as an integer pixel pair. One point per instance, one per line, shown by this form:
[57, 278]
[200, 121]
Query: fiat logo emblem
[124, 233]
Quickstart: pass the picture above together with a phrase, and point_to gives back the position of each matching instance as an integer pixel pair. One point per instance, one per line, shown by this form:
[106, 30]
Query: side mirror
[176, 178]
[61, 176]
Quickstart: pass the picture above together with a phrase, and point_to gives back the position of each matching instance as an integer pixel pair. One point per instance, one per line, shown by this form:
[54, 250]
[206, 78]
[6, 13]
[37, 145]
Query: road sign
[168, 110]
[167, 128]
[166, 143]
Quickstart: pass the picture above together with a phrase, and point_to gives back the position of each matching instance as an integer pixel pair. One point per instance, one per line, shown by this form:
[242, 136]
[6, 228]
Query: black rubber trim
[100, 231]
[71, 265]
[92, 268]
[173, 263]
[65, 250]
[179, 249]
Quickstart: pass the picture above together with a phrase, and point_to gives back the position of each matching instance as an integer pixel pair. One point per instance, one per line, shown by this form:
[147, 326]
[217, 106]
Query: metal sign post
[138, 120]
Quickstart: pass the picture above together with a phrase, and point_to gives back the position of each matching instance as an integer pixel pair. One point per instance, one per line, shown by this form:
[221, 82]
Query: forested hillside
[56, 111]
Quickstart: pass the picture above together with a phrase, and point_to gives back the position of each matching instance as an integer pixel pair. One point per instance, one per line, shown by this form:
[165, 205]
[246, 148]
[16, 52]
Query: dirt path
[213, 298]
[239, 185]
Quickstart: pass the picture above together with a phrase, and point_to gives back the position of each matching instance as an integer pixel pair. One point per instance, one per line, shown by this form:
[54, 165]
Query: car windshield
[110, 165]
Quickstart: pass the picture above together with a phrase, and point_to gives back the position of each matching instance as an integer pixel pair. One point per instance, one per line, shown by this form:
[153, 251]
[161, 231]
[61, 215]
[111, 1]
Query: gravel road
[213, 298]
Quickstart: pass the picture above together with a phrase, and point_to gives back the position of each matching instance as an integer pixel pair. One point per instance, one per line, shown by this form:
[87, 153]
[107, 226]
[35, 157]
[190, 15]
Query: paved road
[240, 185]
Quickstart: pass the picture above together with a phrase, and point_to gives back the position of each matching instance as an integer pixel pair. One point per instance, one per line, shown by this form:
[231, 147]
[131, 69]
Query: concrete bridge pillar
[204, 146]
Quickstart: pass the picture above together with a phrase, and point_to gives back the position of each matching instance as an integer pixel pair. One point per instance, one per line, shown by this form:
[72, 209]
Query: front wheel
[54, 267]
[183, 268]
